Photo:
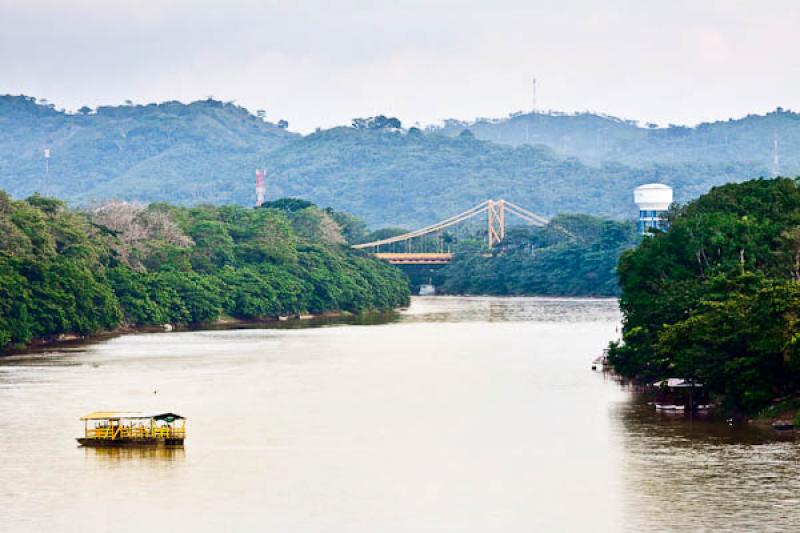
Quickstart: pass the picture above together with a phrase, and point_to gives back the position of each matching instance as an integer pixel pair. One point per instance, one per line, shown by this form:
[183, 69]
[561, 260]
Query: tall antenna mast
[534, 96]
[46, 170]
[261, 187]
[776, 156]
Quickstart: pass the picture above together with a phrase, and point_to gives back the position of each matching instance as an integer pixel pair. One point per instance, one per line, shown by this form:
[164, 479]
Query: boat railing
[100, 433]
[136, 432]
[167, 432]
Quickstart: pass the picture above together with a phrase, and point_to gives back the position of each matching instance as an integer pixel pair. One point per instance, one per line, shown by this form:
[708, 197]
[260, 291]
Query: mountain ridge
[207, 151]
[596, 138]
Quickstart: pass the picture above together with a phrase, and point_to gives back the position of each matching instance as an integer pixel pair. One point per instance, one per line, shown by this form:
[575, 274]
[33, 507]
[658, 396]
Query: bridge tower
[497, 221]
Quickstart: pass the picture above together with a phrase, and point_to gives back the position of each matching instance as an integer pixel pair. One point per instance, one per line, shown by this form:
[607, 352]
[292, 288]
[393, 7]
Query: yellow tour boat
[118, 428]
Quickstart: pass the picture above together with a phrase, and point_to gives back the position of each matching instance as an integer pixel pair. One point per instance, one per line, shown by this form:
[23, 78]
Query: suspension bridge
[494, 211]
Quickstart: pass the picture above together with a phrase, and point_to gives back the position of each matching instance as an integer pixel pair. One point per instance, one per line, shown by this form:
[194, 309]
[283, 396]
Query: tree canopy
[77, 272]
[575, 255]
[716, 297]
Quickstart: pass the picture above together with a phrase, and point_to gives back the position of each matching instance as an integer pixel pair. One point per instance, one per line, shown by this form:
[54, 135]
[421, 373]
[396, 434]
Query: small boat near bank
[679, 395]
[120, 429]
[427, 289]
[783, 425]
[601, 362]
[670, 407]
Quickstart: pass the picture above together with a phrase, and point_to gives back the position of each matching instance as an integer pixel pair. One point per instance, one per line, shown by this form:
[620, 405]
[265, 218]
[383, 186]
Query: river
[456, 415]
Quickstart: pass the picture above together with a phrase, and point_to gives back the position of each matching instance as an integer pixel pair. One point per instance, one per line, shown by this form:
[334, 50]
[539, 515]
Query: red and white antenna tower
[261, 188]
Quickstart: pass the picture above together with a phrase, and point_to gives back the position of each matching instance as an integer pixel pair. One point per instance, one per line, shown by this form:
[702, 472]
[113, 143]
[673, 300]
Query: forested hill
[596, 138]
[171, 151]
[407, 178]
[206, 152]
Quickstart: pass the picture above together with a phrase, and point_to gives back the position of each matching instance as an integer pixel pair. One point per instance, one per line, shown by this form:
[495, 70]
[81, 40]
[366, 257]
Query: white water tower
[653, 200]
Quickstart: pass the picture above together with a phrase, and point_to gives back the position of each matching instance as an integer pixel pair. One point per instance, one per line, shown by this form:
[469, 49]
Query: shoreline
[67, 340]
[785, 411]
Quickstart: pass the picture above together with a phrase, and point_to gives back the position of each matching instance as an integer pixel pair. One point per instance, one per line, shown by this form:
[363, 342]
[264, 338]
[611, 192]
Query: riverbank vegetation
[575, 255]
[65, 272]
[716, 298]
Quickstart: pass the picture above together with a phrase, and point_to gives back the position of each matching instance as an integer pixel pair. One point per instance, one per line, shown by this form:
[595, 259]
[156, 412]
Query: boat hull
[128, 443]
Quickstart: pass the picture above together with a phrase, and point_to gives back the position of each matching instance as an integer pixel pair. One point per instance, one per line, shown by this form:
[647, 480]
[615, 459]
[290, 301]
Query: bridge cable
[428, 229]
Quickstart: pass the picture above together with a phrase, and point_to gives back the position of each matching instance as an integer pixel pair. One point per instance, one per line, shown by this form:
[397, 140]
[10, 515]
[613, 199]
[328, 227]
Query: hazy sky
[316, 65]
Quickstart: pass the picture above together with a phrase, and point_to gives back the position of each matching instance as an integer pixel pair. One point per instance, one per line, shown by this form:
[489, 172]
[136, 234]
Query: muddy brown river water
[456, 415]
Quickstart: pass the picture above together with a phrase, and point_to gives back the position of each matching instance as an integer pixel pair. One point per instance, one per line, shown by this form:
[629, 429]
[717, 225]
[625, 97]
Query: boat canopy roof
[169, 417]
[112, 415]
[128, 415]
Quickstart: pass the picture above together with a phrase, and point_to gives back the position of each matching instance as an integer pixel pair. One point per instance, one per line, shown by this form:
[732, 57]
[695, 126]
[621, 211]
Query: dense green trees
[575, 255]
[68, 272]
[716, 298]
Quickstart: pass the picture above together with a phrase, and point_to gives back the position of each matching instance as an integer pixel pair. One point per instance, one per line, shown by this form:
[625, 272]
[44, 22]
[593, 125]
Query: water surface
[457, 415]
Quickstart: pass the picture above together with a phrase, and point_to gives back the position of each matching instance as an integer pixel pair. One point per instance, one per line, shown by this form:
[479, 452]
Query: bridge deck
[416, 258]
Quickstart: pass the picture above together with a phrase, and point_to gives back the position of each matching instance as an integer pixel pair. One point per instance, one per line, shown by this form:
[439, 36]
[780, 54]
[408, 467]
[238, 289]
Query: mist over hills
[596, 138]
[207, 151]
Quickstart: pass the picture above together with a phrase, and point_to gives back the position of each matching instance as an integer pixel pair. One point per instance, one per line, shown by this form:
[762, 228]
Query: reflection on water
[169, 454]
[512, 309]
[685, 429]
[701, 475]
[457, 414]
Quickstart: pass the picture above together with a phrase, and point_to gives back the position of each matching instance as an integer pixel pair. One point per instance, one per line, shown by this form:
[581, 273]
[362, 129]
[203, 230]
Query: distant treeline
[64, 271]
[575, 255]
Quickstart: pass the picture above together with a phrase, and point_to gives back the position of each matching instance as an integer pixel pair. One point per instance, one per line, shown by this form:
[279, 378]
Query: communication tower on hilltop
[653, 200]
[776, 156]
[534, 96]
[46, 169]
[261, 188]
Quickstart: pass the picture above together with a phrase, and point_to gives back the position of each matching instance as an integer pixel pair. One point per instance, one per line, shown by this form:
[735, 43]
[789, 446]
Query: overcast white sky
[315, 65]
